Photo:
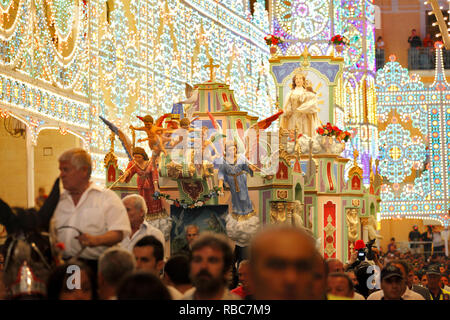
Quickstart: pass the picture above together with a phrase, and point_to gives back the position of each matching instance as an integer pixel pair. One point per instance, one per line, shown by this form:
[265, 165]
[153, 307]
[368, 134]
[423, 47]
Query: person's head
[433, 277]
[210, 262]
[379, 38]
[205, 132]
[335, 265]
[351, 274]
[392, 240]
[415, 278]
[404, 267]
[413, 32]
[113, 264]
[142, 285]
[185, 123]
[280, 206]
[299, 80]
[136, 209]
[243, 274]
[320, 276]
[392, 282]
[148, 121]
[282, 260]
[231, 149]
[176, 270]
[340, 284]
[75, 168]
[139, 154]
[424, 280]
[192, 232]
[41, 191]
[415, 228]
[149, 255]
[444, 281]
[71, 281]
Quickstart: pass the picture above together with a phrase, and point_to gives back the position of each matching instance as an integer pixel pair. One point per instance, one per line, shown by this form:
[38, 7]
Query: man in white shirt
[88, 219]
[405, 292]
[137, 209]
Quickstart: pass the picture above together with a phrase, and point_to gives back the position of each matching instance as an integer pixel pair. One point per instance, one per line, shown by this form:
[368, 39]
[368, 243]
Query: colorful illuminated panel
[414, 126]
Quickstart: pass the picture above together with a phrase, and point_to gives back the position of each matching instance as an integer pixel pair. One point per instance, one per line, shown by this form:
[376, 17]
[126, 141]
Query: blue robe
[239, 196]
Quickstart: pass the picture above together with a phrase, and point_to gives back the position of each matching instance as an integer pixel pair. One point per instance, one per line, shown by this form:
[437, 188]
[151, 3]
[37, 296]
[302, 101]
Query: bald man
[282, 260]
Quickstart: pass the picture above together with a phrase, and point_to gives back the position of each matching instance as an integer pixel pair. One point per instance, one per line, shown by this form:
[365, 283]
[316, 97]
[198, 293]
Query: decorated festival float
[337, 206]
[221, 169]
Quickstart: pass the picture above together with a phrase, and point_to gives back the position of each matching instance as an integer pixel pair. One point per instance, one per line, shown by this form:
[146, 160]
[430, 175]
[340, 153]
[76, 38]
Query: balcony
[424, 58]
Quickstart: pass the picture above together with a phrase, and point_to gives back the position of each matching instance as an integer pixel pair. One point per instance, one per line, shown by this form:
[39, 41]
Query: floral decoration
[339, 40]
[333, 131]
[273, 40]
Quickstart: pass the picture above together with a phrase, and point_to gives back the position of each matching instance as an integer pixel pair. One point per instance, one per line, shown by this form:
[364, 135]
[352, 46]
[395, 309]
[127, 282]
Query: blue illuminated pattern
[414, 124]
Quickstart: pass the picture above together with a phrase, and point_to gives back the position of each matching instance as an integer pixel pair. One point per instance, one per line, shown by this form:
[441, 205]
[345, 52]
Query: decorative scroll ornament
[329, 231]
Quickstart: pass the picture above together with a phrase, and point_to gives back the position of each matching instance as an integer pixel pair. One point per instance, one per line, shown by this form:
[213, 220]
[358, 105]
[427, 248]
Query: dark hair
[158, 249]
[343, 275]
[216, 241]
[178, 269]
[392, 239]
[362, 276]
[58, 277]
[141, 151]
[404, 264]
[142, 285]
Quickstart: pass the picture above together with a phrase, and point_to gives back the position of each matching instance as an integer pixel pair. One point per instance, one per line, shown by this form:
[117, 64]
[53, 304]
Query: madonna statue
[300, 108]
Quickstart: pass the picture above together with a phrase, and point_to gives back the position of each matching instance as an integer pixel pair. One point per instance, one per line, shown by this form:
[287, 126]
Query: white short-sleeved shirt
[144, 230]
[98, 211]
[357, 296]
[408, 295]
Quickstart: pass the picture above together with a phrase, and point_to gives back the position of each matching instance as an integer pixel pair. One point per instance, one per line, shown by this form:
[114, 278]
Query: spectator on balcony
[414, 39]
[413, 237]
[427, 41]
[392, 246]
[380, 43]
[427, 237]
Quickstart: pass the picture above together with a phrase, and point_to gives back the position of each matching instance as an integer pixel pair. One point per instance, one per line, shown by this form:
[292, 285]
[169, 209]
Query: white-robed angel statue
[301, 107]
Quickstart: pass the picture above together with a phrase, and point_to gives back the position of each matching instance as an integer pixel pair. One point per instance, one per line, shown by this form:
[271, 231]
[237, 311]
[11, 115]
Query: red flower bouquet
[333, 131]
[272, 40]
[339, 40]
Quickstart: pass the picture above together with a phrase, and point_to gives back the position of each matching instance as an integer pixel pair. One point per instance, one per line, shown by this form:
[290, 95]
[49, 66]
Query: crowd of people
[119, 256]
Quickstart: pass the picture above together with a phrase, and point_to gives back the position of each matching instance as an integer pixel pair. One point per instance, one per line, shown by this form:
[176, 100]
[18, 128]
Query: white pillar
[30, 168]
